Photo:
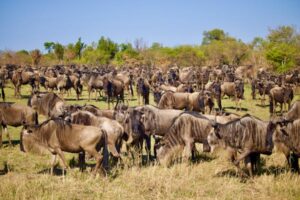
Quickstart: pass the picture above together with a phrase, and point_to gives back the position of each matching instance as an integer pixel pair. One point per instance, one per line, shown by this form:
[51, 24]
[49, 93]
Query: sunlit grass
[25, 176]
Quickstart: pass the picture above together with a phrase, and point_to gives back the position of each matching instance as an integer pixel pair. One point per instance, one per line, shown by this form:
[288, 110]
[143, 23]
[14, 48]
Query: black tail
[105, 152]
[3, 94]
[271, 105]
[131, 88]
[36, 118]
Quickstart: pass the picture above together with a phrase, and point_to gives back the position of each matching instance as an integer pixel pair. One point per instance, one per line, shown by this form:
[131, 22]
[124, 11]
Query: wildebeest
[114, 89]
[114, 130]
[143, 89]
[12, 114]
[248, 135]
[294, 112]
[21, 77]
[287, 139]
[187, 129]
[234, 89]
[47, 104]
[196, 101]
[282, 95]
[58, 135]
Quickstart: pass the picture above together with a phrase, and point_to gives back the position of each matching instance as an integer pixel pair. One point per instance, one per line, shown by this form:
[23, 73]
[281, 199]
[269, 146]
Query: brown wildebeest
[58, 135]
[282, 95]
[143, 89]
[248, 135]
[294, 112]
[187, 129]
[287, 139]
[114, 130]
[47, 104]
[234, 89]
[196, 101]
[94, 83]
[12, 114]
[22, 77]
[114, 89]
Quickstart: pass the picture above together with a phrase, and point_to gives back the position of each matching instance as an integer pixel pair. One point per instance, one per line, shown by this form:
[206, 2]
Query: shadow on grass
[4, 170]
[262, 106]
[234, 108]
[56, 171]
[14, 143]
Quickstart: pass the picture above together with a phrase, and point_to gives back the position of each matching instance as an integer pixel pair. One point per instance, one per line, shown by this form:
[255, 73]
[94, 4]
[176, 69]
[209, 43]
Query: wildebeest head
[281, 134]
[214, 137]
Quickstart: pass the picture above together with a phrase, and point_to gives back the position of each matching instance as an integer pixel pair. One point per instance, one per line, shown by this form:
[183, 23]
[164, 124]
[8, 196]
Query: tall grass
[26, 176]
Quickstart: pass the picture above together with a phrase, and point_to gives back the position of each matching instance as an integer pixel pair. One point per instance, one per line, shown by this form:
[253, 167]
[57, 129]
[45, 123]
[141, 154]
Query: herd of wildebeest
[188, 111]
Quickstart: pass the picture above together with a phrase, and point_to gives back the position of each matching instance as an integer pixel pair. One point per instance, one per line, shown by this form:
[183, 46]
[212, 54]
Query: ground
[26, 176]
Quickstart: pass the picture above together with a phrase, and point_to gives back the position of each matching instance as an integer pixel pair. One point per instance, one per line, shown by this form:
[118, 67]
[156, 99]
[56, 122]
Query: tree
[108, 47]
[59, 51]
[49, 46]
[78, 47]
[282, 48]
[214, 34]
[36, 56]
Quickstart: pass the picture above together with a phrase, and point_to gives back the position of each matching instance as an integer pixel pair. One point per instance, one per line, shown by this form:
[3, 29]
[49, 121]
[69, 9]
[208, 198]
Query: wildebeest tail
[131, 88]
[36, 118]
[271, 105]
[2, 93]
[105, 152]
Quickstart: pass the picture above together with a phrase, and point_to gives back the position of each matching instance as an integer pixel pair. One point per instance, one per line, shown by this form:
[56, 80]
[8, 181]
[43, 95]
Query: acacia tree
[49, 46]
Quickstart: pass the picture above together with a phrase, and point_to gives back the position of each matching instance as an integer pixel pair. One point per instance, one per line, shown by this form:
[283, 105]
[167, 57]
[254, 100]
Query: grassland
[25, 176]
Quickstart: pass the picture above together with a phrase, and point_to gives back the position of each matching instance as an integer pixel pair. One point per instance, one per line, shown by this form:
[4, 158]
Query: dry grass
[25, 176]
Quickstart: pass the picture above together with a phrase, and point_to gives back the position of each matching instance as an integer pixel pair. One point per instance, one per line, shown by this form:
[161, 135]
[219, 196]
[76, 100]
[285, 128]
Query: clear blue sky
[27, 24]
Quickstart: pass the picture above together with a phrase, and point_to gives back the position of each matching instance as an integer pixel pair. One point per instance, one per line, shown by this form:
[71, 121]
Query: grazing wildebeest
[142, 89]
[58, 135]
[47, 104]
[133, 126]
[12, 114]
[187, 129]
[282, 95]
[113, 129]
[196, 101]
[294, 112]
[287, 139]
[248, 135]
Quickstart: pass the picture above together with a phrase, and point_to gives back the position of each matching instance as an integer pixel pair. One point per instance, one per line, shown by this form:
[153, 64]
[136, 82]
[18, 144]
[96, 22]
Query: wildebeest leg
[62, 157]
[53, 162]
[112, 149]
[98, 159]
[139, 99]
[148, 148]
[293, 160]
[189, 146]
[8, 135]
[241, 157]
[81, 160]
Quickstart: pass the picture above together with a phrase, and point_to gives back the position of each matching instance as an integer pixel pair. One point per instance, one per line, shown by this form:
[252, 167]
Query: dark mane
[236, 120]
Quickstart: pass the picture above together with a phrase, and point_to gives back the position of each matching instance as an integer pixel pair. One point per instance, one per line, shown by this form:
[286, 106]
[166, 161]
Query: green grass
[23, 175]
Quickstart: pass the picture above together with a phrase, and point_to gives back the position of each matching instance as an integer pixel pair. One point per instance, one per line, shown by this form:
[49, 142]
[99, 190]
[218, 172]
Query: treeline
[280, 50]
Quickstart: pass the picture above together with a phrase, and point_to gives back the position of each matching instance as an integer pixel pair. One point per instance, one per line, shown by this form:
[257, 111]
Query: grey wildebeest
[287, 139]
[248, 135]
[282, 95]
[57, 136]
[12, 114]
[47, 104]
[187, 129]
